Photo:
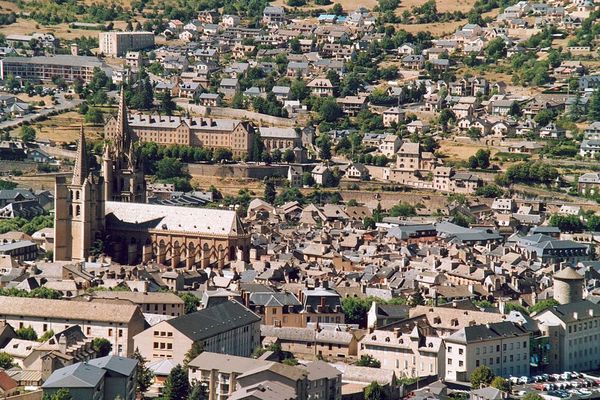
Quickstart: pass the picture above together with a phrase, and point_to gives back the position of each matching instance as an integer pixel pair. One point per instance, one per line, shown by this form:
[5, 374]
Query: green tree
[6, 360]
[515, 110]
[177, 386]
[191, 302]
[403, 210]
[145, 376]
[375, 392]
[28, 134]
[169, 167]
[489, 190]
[288, 156]
[26, 333]
[542, 305]
[270, 192]
[532, 396]
[7, 185]
[566, 223]
[594, 106]
[61, 394]
[197, 392]
[101, 346]
[481, 376]
[193, 352]
[93, 115]
[367, 360]
[324, 144]
[330, 111]
[500, 383]
[167, 105]
[47, 335]
[337, 9]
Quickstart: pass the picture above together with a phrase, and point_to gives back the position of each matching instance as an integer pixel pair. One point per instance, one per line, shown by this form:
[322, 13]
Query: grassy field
[62, 31]
[455, 151]
[442, 6]
[64, 128]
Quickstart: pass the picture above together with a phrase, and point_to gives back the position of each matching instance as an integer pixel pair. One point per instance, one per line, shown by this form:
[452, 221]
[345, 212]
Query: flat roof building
[117, 44]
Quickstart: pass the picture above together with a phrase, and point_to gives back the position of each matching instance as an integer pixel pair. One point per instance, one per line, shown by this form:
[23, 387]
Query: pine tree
[177, 386]
[270, 192]
[144, 375]
[594, 107]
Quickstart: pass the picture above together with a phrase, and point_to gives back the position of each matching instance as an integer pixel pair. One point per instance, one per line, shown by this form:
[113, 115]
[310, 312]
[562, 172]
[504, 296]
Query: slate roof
[214, 320]
[80, 375]
[120, 365]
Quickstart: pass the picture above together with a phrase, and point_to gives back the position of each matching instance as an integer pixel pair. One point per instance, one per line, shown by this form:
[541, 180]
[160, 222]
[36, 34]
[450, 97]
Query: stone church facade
[108, 213]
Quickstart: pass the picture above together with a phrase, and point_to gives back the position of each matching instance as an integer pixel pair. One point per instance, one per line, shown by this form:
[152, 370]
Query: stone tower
[79, 210]
[568, 286]
[121, 166]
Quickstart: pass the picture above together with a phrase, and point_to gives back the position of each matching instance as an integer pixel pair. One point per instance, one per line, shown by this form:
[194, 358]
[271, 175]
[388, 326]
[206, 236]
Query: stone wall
[238, 170]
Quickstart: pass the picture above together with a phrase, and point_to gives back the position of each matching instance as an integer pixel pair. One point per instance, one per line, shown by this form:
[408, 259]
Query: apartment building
[228, 328]
[118, 323]
[410, 348]
[205, 132]
[44, 68]
[502, 346]
[117, 44]
[163, 303]
[226, 376]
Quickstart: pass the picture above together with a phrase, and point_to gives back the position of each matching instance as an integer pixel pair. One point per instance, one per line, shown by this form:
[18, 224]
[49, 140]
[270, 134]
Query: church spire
[80, 171]
[123, 136]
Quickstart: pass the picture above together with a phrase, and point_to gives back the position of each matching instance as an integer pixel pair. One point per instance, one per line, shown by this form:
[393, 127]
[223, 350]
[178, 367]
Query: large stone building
[116, 322]
[111, 209]
[231, 134]
[45, 68]
[227, 328]
[572, 328]
[117, 44]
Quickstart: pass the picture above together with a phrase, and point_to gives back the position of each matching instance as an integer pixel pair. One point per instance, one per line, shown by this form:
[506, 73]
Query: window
[109, 331]
[449, 361]
[460, 351]
[449, 349]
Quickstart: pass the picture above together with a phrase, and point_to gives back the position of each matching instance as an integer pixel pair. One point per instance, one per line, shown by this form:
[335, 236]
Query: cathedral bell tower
[79, 210]
[121, 167]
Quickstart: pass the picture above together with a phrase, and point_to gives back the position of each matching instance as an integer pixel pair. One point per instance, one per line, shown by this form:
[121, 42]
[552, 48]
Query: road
[62, 106]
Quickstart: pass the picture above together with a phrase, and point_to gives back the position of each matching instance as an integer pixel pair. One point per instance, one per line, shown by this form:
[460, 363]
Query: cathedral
[108, 213]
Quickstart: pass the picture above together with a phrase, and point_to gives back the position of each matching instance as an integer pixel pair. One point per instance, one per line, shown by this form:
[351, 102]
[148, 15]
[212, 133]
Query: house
[282, 93]
[391, 116]
[104, 378]
[418, 126]
[357, 171]
[273, 15]
[406, 49]
[588, 184]
[209, 99]
[228, 328]
[321, 174]
[552, 131]
[229, 87]
[413, 61]
[189, 90]
[352, 105]
[295, 175]
[321, 87]
[390, 145]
